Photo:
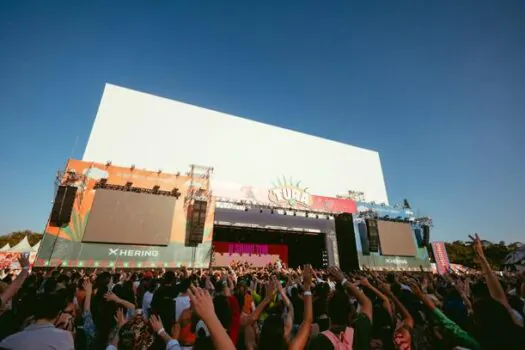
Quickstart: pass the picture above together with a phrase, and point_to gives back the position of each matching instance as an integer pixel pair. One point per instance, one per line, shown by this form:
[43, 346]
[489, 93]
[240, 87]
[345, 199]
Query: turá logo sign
[286, 192]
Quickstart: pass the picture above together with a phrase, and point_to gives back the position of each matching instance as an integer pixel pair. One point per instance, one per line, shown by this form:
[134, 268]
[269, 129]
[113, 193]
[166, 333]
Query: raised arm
[121, 320]
[383, 297]
[288, 321]
[109, 296]
[156, 325]
[13, 288]
[303, 334]
[203, 305]
[270, 292]
[495, 289]
[407, 318]
[362, 299]
[461, 337]
[88, 287]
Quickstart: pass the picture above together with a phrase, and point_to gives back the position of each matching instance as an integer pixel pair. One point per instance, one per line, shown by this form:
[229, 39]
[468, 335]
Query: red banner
[335, 205]
[258, 254]
[441, 257]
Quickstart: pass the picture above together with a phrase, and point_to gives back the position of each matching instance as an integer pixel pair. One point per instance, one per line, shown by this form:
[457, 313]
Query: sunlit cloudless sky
[437, 87]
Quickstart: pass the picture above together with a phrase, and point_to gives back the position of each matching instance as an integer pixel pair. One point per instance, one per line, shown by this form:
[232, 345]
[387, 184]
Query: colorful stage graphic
[64, 245]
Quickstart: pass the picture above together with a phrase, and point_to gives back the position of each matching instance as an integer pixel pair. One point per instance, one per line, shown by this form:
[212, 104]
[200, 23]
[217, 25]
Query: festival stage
[260, 193]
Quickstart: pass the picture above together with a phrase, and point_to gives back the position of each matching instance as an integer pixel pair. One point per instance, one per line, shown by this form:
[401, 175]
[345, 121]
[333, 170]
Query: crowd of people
[241, 307]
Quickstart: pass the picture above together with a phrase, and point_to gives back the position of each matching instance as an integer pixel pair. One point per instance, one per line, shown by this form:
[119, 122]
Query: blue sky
[437, 87]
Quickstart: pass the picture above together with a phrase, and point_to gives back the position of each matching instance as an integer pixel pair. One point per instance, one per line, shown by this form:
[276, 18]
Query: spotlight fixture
[175, 192]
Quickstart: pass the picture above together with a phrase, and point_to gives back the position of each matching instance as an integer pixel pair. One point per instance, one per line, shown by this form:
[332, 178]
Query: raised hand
[307, 277]
[120, 317]
[88, 287]
[416, 289]
[364, 282]
[202, 303]
[336, 273]
[109, 296]
[155, 322]
[478, 247]
[276, 284]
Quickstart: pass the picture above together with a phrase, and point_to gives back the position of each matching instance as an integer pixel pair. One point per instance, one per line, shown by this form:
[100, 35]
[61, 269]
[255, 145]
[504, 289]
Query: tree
[460, 252]
[14, 238]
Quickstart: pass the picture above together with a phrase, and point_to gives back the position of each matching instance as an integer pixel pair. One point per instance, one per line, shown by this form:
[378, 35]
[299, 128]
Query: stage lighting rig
[424, 221]
[368, 214]
[175, 192]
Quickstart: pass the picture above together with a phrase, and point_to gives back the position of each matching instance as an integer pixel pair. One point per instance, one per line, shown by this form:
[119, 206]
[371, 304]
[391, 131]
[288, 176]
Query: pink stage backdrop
[257, 254]
[441, 256]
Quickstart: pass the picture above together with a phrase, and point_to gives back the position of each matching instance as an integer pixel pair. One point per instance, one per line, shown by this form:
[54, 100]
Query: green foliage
[14, 238]
[460, 252]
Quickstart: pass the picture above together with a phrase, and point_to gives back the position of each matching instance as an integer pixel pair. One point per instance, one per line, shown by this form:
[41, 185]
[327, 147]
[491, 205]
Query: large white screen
[157, 133]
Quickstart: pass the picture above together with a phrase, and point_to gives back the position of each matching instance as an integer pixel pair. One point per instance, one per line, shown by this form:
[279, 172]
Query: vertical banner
[441, 256]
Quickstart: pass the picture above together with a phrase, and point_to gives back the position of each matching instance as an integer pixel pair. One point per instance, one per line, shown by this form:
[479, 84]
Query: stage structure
[127, 217]
[264, 193]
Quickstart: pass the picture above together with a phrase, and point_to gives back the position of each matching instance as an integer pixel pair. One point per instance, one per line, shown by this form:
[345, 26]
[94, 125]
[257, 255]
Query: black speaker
[373, 235]
[426, 235]
[346, 246]
[63, 205]
[198, 220]
[363, 235]
[419, 237]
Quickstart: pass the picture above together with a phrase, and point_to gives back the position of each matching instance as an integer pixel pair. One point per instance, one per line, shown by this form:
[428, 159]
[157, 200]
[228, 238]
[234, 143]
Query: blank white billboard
[154, 133]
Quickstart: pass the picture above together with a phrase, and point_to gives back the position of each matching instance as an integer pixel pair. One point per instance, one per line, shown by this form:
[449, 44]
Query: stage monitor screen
[396, 238]
[130, 218]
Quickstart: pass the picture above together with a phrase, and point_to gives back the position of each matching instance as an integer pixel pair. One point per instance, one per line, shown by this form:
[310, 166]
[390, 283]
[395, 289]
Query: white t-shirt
[146, 303]
[181, 303]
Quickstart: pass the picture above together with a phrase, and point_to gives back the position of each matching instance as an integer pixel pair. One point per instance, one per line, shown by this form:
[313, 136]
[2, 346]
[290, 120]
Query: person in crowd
[45, 331]
[273, 307]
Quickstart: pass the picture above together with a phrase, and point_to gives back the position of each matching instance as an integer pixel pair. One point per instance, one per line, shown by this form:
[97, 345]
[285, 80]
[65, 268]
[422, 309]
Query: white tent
[5, 248]
[515, 258]
[21, 247]
[35, 247]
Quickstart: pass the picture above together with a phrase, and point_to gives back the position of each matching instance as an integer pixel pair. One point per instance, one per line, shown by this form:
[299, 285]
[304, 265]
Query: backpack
[343, 341]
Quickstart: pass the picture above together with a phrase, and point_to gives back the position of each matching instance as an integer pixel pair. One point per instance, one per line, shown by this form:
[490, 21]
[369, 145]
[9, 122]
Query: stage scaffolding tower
[198, 190]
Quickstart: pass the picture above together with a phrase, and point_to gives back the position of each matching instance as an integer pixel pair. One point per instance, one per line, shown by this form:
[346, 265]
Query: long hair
[272, 334]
